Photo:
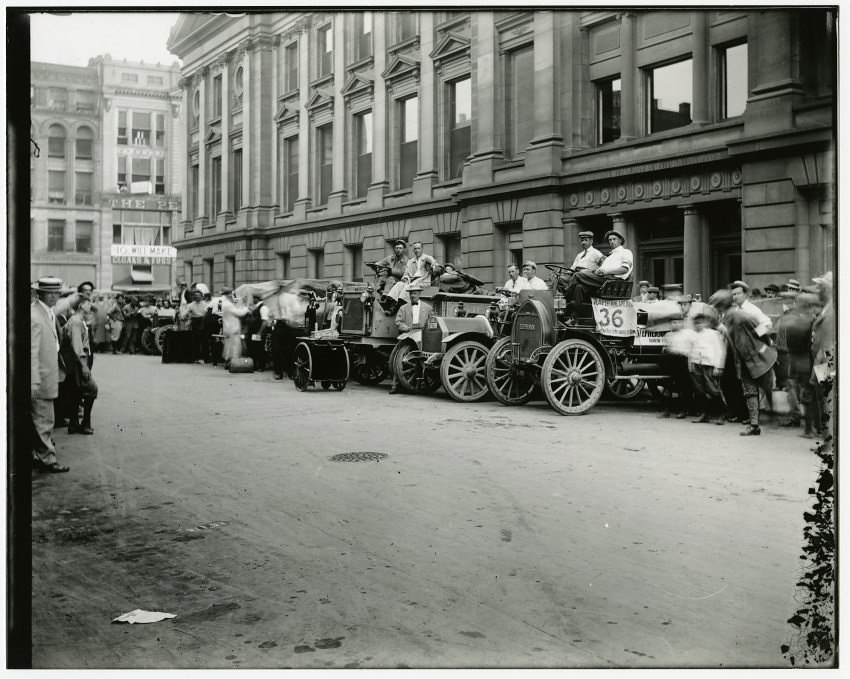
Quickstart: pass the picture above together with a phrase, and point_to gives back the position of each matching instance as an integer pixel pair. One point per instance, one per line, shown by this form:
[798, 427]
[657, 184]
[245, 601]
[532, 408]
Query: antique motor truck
[573, 364]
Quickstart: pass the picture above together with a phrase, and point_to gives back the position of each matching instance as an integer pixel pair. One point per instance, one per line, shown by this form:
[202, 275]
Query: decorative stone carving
[657, 188]
[621, 193]
[716, 180]
[695, 183]
[605, 195]
[638, 191]
[573, 200]
[736, 177]
[676, 186]
[588, 197]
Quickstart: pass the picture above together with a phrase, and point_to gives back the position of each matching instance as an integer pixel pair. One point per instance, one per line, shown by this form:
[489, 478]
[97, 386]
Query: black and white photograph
[431, 337]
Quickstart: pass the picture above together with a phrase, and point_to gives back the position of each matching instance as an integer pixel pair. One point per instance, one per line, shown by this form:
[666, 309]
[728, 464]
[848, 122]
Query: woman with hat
[617, 265]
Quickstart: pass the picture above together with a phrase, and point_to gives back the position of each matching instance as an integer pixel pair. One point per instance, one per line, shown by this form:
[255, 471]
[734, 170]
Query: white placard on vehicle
[615, 317]
[649, 338]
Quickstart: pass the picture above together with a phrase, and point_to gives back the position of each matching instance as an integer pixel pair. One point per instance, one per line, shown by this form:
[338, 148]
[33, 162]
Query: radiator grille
[352, 315]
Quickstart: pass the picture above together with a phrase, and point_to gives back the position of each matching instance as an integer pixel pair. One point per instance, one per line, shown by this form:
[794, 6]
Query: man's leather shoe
[751, 430]
[54, 468]
[278, 376]
[702, 418]
[393, 390]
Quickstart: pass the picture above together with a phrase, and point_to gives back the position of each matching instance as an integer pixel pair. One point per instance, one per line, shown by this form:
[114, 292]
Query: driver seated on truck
[529, 270]
[510, 290]
[618, 266]
[589, 258]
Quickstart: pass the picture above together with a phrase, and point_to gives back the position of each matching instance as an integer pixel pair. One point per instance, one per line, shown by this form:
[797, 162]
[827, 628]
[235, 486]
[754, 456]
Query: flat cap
[585, 234]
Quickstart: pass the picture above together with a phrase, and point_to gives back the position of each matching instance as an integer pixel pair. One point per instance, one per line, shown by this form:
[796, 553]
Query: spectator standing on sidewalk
[45, 371]
[195, 312]
[75, 348]
[707, 360]
[115, 314]
[131, 326]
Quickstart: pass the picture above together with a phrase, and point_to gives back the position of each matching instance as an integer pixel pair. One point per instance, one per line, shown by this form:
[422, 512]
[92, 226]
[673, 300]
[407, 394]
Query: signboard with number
[615, 317]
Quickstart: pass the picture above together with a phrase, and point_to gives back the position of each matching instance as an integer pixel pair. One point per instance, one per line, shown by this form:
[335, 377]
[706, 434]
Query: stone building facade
[313, 140]
[106, 184]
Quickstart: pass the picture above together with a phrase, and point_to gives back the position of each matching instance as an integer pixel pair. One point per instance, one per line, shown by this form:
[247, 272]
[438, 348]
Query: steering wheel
[557, 280]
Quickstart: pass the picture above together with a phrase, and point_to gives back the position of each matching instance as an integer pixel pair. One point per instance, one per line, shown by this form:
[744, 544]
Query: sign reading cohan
[143, 254]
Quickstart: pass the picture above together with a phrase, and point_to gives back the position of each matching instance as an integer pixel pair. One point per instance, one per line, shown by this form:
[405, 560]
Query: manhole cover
[359, 457]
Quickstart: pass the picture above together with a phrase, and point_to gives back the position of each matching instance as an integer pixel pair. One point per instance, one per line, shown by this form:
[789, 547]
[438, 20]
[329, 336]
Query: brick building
[106, 184]
[315, 139]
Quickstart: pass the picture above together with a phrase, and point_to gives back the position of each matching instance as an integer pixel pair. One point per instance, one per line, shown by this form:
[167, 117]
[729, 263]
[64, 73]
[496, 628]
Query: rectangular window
[290, 187]
[406, 25]
[325, 150]
[195, 188]
[116, 234]
[669, 95]
[363, 35]
[141, 128]
[607, 110]
[122, 173]
[216, 94]
[85, 101]
[84, 149]
[215, 191]
[55, 235]
[141, 172]
[159, 139]
[355, 262]
[290, 64]
[129, 78]
[122, 127]
[451, 249]
[236, 173]
[41, 96]
[159, 177]
[460, 130]
[519, 99]
[326, 49]
[317, 263]
[166, 235]
[83, 236]
[363, 144]
[55, 146]
[282, 266]
[84, 188]
[155, 80]
[55, 186]
[57, 98]
[208, 269]
[409, 141]
[734, 81]
[230, 271]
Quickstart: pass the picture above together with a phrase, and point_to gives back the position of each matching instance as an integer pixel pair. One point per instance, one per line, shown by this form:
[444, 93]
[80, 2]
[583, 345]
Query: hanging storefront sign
[143, 254]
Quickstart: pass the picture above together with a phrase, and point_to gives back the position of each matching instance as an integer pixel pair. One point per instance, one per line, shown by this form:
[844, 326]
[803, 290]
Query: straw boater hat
[612, 232]
[793, 285]
[739, 284]
[414, 288]
[641, 283]
[825, 280]
[48, 284]
[529, 263]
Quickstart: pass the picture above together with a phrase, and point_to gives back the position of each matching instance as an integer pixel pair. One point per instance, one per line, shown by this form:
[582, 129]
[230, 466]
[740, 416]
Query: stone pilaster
[628, 78]
[486, 144]
[380, 182]
[543, 155]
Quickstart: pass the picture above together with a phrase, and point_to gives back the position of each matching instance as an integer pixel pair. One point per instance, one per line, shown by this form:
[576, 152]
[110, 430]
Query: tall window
[83, 236]
[84, 188]
[409, 140]
[195, 187]
[236, 173]
[325, 157]
[734, 80]
[85, 101]
[55, 186]
[362, 35]
[406, 25]
[460, 107]
[216, 94]
[290, 187]
[326, 48]
[451, 248]
[55, 235]
[57, 98]
[56, 142]
[519, 99]
[363, 145]
[159, 177]
[670, 95]
[230, 271]
[85, 139]
[141, 128]
[159, 139]
[317, 263]
[290, 65]
[208, 270]
[141, 173]
[117, 234]
[607, 110]
[122, 127]
[122, 173]
[215, 189]
[282, 266]
[355, 262]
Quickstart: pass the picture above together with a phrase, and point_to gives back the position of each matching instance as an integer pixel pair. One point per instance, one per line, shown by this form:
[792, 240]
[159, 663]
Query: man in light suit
[45, 374]
[411, 316]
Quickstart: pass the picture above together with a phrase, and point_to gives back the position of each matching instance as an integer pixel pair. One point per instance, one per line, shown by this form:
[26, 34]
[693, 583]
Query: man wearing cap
[231, 326]
[771, 290]
[115, 314]
[652, 293]
[643, 292]
[391, 269]
[618, 265]
[512, 286]
[529, 270]
[792, 285]
[411, 316]
[45, 373]
[589, 258]
[747, 327]
[419, 267]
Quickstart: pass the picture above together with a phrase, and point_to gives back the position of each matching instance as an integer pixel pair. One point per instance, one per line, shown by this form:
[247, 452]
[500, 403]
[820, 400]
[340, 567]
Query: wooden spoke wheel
[463, 372]
[302, 367]
[371, 368]
[147, 341]
[411, 376]
[159, 339]
[573, 377]
[624, 390]
[508, 384]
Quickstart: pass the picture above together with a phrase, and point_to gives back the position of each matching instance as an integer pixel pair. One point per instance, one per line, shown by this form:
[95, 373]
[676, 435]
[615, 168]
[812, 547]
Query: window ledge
[360, 63]
[326, 79]
[449, 183]
[354, 202]
[409, 42]
[399, 194]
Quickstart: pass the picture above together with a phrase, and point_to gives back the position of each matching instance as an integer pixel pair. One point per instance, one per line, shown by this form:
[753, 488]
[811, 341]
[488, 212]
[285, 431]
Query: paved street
[488, 537]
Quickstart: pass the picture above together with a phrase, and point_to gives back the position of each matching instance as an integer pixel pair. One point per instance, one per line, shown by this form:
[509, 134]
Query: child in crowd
[707, 359]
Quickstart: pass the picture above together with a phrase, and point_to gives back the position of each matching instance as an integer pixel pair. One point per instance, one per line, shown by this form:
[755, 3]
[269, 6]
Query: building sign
[143, 254]
[141, 203]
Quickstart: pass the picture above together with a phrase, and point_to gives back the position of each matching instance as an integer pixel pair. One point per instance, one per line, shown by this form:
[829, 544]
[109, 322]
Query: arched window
[56, 142]
[85, 141]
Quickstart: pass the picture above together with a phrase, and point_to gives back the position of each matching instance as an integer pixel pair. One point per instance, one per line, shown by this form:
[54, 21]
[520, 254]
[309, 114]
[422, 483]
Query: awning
[141, 276]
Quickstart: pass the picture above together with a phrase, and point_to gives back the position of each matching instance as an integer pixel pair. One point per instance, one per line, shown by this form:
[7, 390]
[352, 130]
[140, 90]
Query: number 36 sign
[614, 317]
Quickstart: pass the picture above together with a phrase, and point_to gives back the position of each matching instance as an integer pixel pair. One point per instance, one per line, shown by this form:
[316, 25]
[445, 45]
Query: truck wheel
[463, 372]
[624, 390]
[573, 377]
[410, 374]
[508, 384]
[302, 367]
